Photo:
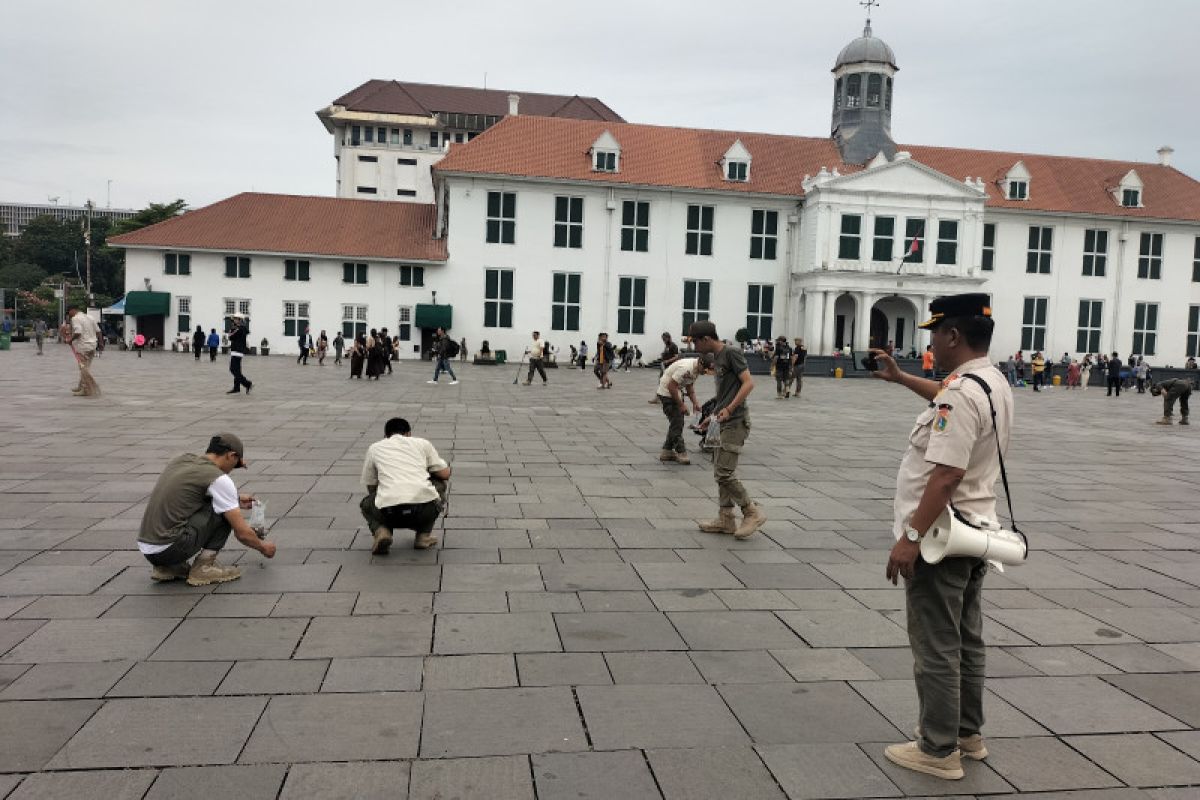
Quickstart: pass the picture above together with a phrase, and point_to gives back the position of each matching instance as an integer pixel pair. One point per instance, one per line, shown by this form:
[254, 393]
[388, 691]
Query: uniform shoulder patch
[942, 421]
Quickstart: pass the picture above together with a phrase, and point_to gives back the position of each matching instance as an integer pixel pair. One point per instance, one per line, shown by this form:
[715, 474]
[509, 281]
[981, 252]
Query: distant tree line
[51, 251]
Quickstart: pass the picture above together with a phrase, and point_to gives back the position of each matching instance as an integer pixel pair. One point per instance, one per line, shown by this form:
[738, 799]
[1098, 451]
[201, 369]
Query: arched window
[854, 91]
[874, 90]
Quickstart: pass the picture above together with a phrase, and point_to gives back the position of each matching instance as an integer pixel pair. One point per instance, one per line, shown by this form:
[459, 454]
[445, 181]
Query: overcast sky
[201, 100]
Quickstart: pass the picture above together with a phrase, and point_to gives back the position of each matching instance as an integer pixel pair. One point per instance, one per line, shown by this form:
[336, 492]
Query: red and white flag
[916, 242]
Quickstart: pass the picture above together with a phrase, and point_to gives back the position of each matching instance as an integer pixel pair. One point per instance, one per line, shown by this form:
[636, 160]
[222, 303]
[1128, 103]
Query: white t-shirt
[86, 329]
[400, 466]
[683, 372]
[224, 494]
[537, 348]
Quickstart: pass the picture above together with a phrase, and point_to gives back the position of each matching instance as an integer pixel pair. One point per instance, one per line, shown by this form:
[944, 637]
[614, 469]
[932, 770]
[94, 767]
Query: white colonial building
[572, 226]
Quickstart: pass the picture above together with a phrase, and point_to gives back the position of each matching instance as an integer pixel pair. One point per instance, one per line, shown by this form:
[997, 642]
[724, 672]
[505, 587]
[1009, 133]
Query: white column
[862, 320]
[827, 323]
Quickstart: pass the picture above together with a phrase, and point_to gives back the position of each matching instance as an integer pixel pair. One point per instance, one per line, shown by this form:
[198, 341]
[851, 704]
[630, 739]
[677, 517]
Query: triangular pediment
[904, 176]
[1018, 172]
[606, 141]
[737, 152]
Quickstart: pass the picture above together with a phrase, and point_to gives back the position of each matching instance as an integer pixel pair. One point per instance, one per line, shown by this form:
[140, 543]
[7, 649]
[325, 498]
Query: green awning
[147, 304]
[434, 316]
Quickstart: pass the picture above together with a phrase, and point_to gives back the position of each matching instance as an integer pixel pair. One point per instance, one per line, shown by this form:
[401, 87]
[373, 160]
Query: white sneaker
[431, 381]
[453, 383]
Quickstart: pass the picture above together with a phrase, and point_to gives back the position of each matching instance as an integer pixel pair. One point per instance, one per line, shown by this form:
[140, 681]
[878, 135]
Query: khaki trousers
[725, 461]
[945, 630]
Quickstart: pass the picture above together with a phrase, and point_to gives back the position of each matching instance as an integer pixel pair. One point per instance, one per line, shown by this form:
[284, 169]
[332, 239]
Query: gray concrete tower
[862, 99]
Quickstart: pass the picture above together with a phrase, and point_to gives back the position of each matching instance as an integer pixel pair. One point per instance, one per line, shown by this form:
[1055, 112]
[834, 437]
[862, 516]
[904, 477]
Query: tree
[54, 246]
[150, 215]
[742, 336]
[20, 275]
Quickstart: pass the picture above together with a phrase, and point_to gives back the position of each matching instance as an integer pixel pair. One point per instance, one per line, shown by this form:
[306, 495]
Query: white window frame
[850, 239]
[878, 238]
[294, 311]
[1145, 333]
[1090, 326]
[499, 303]
[1041, 252]
[758, 321]
[703, 240]
[181, 263]
[404, 327]
[606, 161]
[354, 316]
[183, 308]
[1033, 333]
[568, 226]
[952, 243]
[504, 225]
[1134, 194]
[412, 275]
[566, 305]
[301, 269]
[358, 270]
[697, 311]
[1150, 263]
[1095, 258]
[1193, 332]
[737, 171]
[631, 316]
[766, 238]
[987, 264]
[238, 263]
[637, 232]
[1018, 190]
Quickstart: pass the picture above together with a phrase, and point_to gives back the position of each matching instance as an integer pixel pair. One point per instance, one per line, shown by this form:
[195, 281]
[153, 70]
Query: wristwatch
[912, 534]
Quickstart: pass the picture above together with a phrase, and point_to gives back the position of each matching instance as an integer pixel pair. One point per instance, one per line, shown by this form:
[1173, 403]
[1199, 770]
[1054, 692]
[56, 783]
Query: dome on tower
[866, 48]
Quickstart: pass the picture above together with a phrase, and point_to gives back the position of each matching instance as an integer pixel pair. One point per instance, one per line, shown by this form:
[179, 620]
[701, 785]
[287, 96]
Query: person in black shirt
[799, 356]
[1114, 375]
[237, 351]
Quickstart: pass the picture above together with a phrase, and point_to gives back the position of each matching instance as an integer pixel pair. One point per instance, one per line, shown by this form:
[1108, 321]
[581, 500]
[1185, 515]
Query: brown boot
[383, 540]
[682, 458]
[1163, 421]
[724, 523]
[171, 572]
[752, 519]
[1183, 421]
[424, 541]
[206, 571]
[666, 455]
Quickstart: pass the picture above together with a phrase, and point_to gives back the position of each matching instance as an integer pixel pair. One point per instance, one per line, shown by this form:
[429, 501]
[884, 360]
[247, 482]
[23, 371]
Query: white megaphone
[952, 534]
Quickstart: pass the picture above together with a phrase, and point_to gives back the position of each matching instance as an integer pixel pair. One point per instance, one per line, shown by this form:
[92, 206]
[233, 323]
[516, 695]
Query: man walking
[84, 336]
[39, 334]
[951, 460]
[389, 347]
[1171, 390]
[1039, 370]
[605, 352]
[305, 342]
[213, 342]
[1113, 368]
[782, 356]
[927, 362]
[192, 510]
[406, 486]
[441, 354]
[734, 385]
[679, 378]
[339, 344]
[537, 352]
[799, 356]
[237, 351]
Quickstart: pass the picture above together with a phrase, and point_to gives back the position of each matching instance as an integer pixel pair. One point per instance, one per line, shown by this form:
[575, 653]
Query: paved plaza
[575, 636]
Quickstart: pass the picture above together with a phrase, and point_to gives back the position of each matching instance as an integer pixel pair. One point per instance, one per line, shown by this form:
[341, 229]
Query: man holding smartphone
[951, 459]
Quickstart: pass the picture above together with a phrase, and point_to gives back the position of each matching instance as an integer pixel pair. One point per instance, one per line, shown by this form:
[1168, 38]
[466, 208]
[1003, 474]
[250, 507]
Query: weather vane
[867, 4]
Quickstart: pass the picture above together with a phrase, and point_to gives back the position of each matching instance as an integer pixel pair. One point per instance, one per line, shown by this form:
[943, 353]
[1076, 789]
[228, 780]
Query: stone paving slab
[573, 606]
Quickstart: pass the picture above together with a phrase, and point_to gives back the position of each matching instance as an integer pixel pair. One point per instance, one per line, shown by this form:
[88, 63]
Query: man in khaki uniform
[84, 337]
[679, 378]
[951, 459]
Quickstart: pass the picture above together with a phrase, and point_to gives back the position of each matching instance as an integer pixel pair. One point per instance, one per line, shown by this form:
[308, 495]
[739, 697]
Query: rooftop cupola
[862, 98]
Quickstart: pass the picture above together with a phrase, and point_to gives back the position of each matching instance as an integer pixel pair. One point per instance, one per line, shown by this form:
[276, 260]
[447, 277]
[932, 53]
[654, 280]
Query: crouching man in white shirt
[406, 484]
[194, 507]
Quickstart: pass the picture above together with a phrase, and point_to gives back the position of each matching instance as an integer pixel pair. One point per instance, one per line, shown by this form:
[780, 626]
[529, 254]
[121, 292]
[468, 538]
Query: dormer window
[606, 154]
[735, 164]
[605, 161]
[1015, 183]
[1129, 191]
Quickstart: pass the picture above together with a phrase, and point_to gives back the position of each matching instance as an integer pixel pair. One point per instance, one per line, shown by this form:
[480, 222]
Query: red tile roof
[689, 158]
[319, 226]
[424, 99]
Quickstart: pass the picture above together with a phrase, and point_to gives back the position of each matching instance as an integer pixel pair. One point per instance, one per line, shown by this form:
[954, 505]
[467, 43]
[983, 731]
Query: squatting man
[952, 458]
[406, 484]
[192, 510]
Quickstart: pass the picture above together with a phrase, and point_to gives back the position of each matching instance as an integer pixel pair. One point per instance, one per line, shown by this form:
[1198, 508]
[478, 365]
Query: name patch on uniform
[943, 417]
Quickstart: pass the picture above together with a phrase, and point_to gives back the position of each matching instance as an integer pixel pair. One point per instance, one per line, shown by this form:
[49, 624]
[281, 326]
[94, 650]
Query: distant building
[14, 217]
[571, 226]
[387, 134]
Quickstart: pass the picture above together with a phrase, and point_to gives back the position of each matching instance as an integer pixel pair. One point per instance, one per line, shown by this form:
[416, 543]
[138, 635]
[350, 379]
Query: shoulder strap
[987, 390]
